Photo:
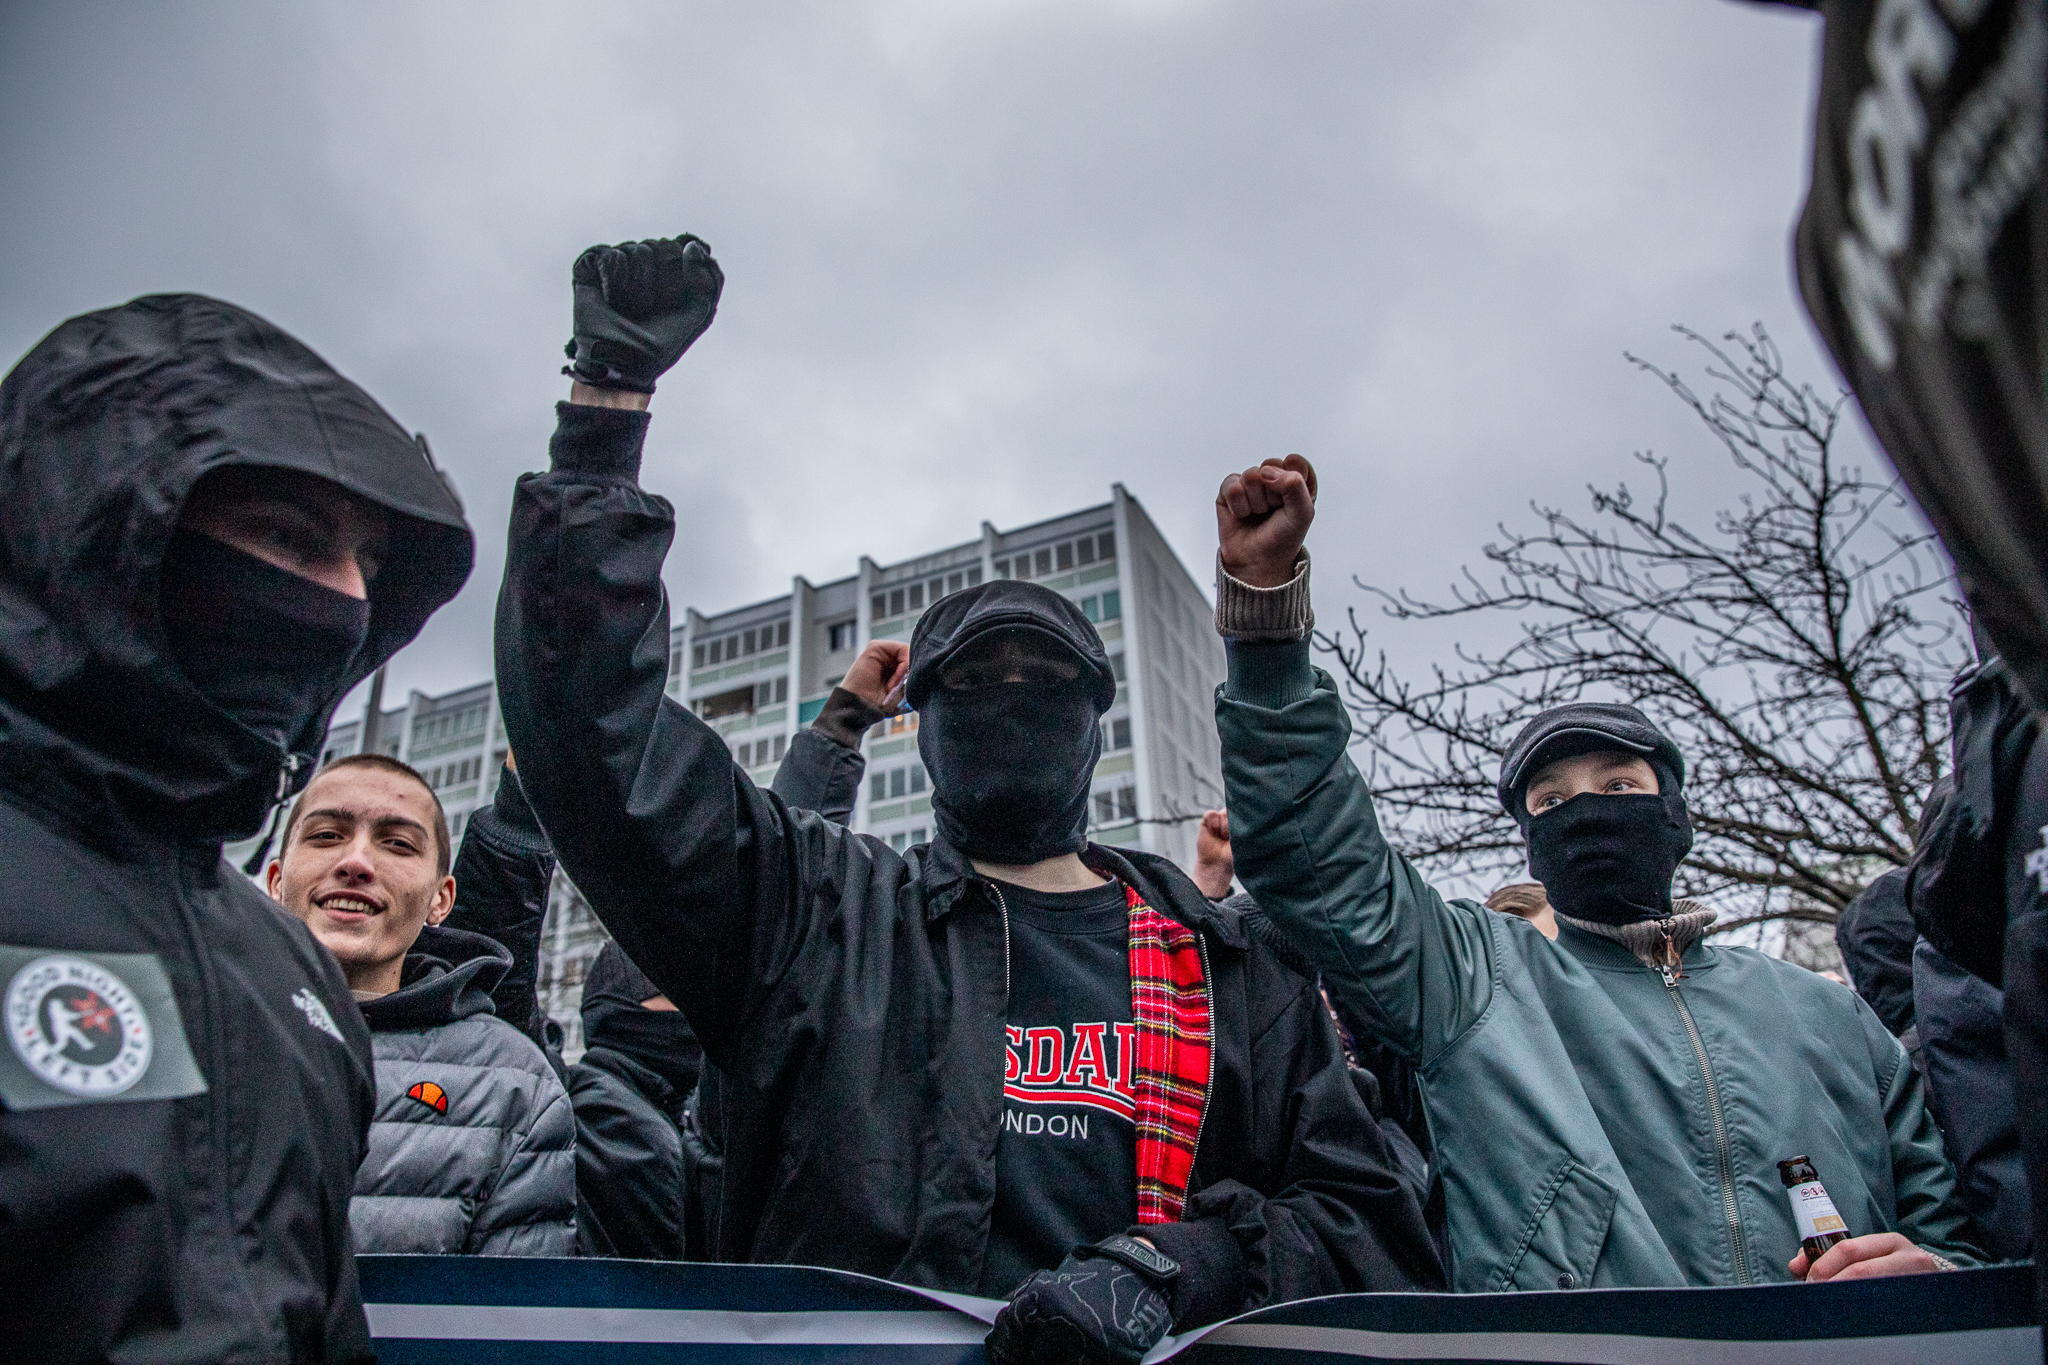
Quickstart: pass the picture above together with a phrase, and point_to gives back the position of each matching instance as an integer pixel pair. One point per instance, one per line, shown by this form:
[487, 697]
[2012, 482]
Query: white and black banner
[1923, 256]
[454, 1310]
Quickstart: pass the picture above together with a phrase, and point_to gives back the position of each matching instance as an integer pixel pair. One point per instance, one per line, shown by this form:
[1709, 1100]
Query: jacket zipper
[1722, 1147]
[1003, 907]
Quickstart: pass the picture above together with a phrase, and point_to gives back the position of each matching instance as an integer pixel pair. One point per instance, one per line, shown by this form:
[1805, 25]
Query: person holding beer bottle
[1608, 1109]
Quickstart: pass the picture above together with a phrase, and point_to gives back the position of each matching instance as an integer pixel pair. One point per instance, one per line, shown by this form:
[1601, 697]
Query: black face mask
[1010, 767]
[264, 645]
[1610, 858]
[660, 1040]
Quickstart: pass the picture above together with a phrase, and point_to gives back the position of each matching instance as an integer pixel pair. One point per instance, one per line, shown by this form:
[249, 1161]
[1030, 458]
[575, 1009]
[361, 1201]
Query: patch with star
[87, 1028]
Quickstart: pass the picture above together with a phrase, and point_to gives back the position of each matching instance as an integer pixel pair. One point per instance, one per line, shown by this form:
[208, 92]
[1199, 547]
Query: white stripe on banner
[1991, 1346]
[703, 1326]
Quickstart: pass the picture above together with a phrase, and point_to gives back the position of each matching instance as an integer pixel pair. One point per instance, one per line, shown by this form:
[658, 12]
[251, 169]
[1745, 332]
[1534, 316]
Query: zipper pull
[1674, 969]
[1670, 977]
[285, 774]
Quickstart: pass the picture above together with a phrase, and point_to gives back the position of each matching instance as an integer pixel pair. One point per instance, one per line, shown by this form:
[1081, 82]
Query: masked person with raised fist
[1608, 1109]
[207, 537]
[1009, 1062]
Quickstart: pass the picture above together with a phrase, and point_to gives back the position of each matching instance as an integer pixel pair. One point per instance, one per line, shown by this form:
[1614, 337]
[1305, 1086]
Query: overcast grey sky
[983, 257]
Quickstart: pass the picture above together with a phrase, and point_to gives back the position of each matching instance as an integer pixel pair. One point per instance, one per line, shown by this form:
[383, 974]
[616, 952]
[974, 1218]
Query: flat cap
[1583, 727]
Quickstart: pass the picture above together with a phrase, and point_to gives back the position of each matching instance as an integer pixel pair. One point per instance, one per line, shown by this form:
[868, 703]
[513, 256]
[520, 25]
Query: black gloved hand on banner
[639, 305]
[1106, 1304]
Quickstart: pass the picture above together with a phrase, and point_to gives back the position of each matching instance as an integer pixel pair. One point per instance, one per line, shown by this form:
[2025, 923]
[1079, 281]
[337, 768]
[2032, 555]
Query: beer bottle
[1820, 1227]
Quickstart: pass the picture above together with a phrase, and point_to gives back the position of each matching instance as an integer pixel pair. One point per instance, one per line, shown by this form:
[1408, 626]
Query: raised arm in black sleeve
[502, 871]
[697, 873]
[823, 768]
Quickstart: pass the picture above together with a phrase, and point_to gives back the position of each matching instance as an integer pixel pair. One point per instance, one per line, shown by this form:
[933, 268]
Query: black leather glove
[639, 305]
[1105, 1303]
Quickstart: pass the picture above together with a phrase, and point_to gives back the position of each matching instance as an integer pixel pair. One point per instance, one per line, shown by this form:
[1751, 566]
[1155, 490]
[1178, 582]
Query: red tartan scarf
[1175, 1041]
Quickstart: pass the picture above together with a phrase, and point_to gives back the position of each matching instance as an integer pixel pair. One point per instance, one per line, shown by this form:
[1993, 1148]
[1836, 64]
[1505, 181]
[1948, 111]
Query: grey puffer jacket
[473, 1148]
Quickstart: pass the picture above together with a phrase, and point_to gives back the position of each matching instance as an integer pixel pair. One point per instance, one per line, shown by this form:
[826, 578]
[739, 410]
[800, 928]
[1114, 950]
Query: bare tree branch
[1795, 641]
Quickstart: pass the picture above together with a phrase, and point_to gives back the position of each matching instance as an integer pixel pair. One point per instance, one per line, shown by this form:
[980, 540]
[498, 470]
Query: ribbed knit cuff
[594, 440]
[846, 719]
[1269, 675]
[509, 819]
[1244, 612]
[1210, 1286]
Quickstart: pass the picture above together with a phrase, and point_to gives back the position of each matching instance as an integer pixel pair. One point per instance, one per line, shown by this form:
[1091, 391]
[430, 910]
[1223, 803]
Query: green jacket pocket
[1567, 1227]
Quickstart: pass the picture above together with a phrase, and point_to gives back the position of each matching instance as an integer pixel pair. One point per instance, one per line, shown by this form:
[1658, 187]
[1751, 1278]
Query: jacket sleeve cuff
[510, 820]
[1211, 1283]
[846, 719]
[1244, 612]
[1269, 674]
[594, 440]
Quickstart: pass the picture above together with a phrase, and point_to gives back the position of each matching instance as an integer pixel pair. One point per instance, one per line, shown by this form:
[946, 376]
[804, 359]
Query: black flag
[1923, 252]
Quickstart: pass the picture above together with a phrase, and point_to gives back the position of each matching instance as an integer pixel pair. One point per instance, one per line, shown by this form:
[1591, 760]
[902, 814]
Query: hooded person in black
[861, 1003]
[632, 1090]
[193, 513]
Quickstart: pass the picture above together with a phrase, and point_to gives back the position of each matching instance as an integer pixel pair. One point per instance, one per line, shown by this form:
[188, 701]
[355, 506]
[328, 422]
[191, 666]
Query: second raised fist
[639, 305]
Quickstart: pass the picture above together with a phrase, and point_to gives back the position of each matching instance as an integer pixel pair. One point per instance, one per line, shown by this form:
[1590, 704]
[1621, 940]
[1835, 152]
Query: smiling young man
[1608, 1109]
[884, 1022]
[473, 1146]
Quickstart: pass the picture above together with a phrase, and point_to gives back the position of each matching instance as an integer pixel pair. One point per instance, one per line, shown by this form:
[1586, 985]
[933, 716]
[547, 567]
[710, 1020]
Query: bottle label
[1814, 1211]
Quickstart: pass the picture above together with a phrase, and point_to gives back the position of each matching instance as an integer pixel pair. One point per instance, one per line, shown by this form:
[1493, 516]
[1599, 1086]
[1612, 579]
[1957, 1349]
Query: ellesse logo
[430, 1094]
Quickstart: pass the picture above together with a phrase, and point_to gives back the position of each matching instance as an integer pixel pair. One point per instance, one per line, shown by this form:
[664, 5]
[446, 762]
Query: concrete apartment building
[756, 673]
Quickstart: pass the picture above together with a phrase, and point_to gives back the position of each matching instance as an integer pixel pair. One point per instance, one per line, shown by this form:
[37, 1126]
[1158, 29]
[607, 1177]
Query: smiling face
[365, 865]
[1609, 772]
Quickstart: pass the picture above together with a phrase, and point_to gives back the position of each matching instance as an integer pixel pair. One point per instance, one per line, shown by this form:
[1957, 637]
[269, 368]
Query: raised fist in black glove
[639, 305]
[1105, 1303]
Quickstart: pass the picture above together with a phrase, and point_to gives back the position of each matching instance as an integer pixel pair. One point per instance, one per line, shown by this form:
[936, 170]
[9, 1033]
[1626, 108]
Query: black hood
[105, 426]
[448, 976]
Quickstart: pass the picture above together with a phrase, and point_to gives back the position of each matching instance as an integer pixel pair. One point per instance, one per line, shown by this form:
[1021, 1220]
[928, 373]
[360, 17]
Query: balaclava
[263, 644]
[614, 1017]
[1608, 859]
[1011, 763]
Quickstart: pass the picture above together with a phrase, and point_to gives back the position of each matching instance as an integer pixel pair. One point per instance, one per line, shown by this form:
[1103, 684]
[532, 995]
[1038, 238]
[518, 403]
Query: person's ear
[273, 877]
[444, 901]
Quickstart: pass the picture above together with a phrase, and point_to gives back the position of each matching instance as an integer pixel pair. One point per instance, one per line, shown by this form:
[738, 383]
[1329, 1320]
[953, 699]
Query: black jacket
[201, 1213]
[642, 1167]
[1875, 935]
[1969, 1091]
[853, 997]
[631, 1089]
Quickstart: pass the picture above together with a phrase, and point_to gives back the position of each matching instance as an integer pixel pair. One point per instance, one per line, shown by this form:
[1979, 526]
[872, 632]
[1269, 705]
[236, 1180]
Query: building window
[1116, 666]
[878, 786]
[878, 605]
[973, 575]
[781, 634]
[955, 582]
[697, 656]
[721, 704]
[1041, 562]
[839, 635]
[916, 591]
[1116, 734]
[1105, 545]
[1084, 550]
[900, 840]
[1063, 555]
[1001, 567]
[896, 602]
